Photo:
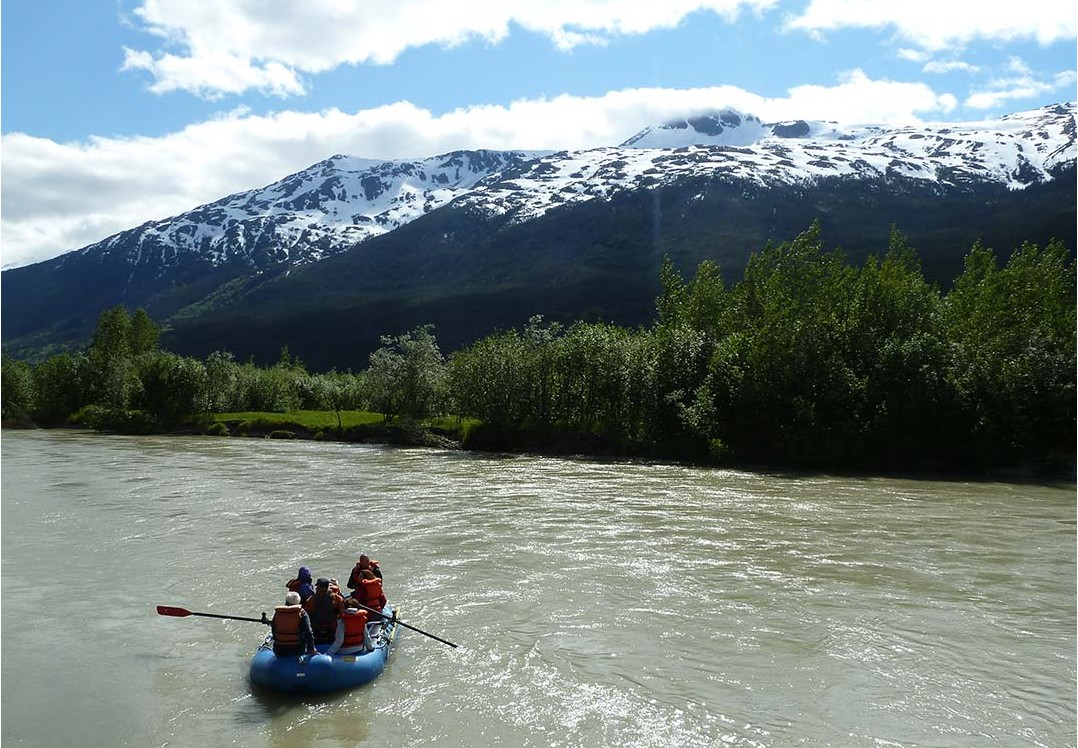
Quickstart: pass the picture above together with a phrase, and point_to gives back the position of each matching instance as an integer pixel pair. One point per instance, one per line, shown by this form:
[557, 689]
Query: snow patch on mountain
[322, 210]
[342, 201]
[1017, 150]
[725, 127]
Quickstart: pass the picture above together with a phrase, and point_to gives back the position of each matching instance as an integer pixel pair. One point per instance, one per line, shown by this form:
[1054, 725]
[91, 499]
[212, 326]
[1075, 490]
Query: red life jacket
[370, 593]
[355, 621]
[285, 627]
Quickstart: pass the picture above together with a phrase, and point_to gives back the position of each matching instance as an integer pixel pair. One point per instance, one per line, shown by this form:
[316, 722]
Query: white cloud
[942, 24]
[213, 75]
[936, 66]
[230, 46]
[1020, 82]
[914, 55]
[62, 196]
[857, 98]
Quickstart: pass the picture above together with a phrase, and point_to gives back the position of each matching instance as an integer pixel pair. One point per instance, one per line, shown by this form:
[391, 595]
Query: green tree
[273, 389]
[16, 389]
[785, 390]
[1012, 333]
[702, 304]
[173, 387]
[143, 334]
[485, 380]
[59, 389]
[336, 391]
[109, 371]
[406, 376]
[223, 393]
[894, 342]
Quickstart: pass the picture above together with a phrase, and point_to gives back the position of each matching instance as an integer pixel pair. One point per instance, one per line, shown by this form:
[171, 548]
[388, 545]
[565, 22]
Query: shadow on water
[275, 702]
[299, 721]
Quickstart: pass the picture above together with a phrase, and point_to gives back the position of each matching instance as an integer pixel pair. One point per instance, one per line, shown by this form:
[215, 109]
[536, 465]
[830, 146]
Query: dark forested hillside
[469, 274]
[596, 261]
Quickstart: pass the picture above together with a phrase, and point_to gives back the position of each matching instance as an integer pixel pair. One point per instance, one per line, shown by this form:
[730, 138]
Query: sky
[118, 112]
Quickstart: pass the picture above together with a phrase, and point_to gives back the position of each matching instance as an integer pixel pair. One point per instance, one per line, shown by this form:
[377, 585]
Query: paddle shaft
[165, 610]
[402, 623]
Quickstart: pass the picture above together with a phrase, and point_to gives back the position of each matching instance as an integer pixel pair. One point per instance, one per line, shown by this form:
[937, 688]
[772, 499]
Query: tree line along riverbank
[807, 362]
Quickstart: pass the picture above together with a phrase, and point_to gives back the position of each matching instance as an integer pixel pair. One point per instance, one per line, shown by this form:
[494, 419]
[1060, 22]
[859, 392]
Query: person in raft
[364, 562]
[324, 608]
[302, 584]
[291, 627]
[352, 637]
[369, 594]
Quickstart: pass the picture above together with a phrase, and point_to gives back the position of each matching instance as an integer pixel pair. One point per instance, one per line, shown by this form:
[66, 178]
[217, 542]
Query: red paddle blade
[165, 610]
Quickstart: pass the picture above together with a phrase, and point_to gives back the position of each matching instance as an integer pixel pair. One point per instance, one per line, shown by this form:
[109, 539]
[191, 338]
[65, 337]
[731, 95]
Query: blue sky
[115, 112]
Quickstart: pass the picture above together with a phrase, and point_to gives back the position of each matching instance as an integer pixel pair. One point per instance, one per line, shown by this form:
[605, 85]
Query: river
[595, 604]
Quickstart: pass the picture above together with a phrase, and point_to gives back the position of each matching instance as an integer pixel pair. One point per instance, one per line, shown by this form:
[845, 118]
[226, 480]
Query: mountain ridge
[343, 200]
[348, 209]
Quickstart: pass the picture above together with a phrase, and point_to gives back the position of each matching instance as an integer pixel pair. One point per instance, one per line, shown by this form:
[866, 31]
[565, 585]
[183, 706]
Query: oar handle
[402, 623]
[168, 610]
[263, 619]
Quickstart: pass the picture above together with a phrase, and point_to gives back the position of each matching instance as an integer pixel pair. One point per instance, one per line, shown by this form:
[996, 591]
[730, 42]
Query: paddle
[166, 610]
[351, 601]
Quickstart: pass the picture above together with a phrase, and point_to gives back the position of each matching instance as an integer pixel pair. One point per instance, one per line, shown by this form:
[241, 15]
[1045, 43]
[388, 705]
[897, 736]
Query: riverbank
[471, 436]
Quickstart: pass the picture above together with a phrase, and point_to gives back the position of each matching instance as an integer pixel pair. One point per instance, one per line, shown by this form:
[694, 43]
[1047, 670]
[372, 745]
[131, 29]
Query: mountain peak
[718, 127]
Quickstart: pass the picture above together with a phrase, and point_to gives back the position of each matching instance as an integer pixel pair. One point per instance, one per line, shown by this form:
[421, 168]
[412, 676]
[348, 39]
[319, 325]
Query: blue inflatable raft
[322, 673]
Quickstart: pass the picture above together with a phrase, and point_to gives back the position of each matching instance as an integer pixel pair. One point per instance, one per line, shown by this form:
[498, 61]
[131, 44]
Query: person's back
[291, 628]
[369, 592]
[351, 635]
[325, 608]
[302, 584]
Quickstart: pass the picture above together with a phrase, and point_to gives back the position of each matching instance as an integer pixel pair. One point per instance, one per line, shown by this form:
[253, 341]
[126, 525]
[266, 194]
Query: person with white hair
[291, 627]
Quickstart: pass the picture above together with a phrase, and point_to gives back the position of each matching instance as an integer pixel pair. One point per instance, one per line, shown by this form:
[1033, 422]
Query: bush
[216, 429]
[119, 420]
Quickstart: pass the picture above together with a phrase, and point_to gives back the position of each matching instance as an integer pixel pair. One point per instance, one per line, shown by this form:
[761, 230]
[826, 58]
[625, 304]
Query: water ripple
[596, 604]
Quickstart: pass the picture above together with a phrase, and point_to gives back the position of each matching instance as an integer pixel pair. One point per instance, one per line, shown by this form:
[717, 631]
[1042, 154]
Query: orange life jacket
[354, 624]
[357, 570]
[285, 626]
[370, 593]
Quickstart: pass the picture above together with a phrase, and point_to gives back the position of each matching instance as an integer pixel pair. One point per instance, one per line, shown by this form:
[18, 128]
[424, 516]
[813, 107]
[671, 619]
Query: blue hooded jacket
[302, 584]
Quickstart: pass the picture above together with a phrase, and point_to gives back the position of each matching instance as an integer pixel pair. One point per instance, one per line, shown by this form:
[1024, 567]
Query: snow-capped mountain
[725, 127]
[338, 203]
[351, 248]
[1016, 151]
[320, 211]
